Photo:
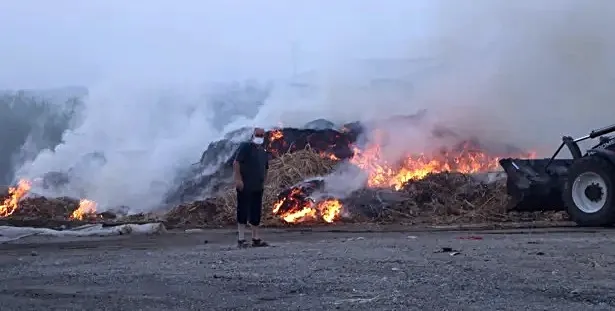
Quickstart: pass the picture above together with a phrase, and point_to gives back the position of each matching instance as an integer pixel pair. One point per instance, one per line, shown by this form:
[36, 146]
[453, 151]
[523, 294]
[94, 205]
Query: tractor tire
[589, 192]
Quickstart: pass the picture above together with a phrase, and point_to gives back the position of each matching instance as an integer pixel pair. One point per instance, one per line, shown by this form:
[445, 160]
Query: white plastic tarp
[8, 233]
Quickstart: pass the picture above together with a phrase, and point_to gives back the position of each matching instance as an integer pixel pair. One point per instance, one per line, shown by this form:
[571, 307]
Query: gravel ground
[513, 270]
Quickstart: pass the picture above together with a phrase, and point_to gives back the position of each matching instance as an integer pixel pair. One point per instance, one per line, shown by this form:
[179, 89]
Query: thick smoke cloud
[32, 121]
[523, 72]
[526, 72]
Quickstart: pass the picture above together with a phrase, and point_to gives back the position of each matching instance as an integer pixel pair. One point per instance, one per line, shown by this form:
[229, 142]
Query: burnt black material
[327, 141]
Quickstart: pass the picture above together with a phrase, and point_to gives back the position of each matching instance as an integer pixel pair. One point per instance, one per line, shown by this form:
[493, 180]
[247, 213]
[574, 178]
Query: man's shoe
[242, 244]
[259, 243]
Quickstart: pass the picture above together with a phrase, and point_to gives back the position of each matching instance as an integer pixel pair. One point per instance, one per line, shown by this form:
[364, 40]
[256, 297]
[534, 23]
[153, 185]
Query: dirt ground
[539, 269]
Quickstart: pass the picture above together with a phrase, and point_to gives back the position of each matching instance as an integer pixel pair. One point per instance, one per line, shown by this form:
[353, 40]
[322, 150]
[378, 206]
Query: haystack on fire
[327, 174]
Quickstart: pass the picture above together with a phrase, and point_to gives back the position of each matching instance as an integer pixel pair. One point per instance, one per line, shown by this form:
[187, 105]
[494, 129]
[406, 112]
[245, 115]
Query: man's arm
[266, 170]
[236, 171]
[239, 158]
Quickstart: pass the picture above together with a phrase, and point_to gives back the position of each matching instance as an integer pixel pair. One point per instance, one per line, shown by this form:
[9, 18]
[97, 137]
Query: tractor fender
[603, 153]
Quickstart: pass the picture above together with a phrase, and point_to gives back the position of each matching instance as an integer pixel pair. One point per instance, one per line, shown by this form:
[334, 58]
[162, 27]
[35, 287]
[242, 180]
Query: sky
[69, 42]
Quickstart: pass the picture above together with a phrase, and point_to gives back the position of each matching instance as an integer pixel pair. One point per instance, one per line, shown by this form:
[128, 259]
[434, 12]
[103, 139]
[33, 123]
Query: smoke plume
[520, 72]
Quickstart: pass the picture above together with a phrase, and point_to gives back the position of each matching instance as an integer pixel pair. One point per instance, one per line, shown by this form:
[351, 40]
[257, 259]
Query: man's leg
[256, 209]
[242, 217]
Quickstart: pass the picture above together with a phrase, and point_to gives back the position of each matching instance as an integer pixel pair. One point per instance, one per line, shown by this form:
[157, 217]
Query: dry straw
[443, 198]
[284, 172]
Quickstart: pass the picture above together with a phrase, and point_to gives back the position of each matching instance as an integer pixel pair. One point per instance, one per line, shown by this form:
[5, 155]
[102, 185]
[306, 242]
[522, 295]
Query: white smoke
[523, 72]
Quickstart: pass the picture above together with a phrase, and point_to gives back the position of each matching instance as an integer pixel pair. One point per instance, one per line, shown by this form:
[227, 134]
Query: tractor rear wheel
[589, 192]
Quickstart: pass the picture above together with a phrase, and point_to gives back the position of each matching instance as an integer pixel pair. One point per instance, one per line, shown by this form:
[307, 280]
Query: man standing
[250, 171]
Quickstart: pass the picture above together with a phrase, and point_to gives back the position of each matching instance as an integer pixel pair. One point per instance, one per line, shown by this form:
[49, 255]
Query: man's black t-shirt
[253, 165]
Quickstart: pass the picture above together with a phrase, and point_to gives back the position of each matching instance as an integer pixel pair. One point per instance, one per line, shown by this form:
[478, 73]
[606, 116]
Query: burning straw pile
[46, 208]
[441, 198]
[438, 188]
[284, 171]
[437, 198]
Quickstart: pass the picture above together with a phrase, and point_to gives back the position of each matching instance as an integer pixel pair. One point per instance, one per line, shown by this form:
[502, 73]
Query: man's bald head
[259, 132]
[258, 137]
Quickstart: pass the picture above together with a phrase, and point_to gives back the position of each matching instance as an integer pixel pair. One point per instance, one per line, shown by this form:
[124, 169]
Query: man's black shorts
[249, 205]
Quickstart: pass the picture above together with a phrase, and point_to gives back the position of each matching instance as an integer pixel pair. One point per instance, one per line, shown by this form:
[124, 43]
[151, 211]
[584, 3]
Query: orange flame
[276, 134]
[413, 167]
[466, 158]
[328, 210]
[327, 155]
[10, 204]
[86, 209]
